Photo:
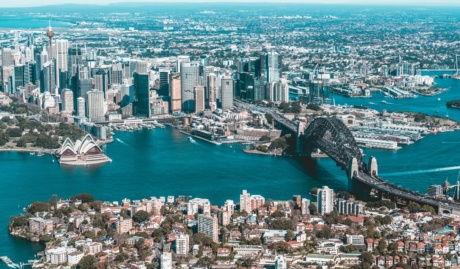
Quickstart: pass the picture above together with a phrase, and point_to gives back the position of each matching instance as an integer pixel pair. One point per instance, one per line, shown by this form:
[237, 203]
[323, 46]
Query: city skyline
[30, 3]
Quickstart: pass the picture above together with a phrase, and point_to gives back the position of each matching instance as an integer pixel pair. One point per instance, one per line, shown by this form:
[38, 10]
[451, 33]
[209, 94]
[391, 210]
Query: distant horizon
[45, 3]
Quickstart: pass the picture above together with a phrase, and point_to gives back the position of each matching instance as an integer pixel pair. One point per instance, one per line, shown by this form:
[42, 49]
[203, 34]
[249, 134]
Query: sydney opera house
[84, 152]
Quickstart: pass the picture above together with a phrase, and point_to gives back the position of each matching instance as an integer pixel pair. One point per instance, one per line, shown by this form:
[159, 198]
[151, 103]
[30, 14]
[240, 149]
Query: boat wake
[121, 141]
[421, 171]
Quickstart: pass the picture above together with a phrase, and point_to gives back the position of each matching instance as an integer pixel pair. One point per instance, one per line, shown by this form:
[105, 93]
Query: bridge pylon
[353, 169]
[373, 167]
[300, 131]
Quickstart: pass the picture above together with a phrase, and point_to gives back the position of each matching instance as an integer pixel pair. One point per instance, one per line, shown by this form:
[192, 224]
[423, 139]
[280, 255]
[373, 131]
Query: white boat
[191, 139]
[384, 102]
[456, 75]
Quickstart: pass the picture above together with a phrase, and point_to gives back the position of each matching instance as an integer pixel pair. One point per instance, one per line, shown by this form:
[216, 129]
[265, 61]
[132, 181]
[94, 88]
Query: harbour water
[17, 22]
[164, 162]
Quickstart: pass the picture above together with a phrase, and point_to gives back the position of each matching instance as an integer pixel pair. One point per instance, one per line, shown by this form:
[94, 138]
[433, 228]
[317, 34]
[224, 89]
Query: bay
[163, 162]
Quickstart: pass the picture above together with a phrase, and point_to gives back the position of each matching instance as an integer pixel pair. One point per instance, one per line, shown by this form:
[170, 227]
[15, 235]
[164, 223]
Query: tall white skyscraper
[166, 260]
[95, 105]
[81, 107]
[273, 63]
[61, 52]
[227, 85]
[281, 91]
[67, 101]
[245, 202]
[325, 200]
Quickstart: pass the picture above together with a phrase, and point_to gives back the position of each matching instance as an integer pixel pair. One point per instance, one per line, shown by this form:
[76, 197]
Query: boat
[32, 153]
[191, 139]
[40, 154]
[457, 74]
[384, 102]
[8, 262]
[439, 99]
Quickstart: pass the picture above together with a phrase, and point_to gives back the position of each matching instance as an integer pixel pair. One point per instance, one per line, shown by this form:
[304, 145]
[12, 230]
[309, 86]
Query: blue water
[30, 23]
[163, 162]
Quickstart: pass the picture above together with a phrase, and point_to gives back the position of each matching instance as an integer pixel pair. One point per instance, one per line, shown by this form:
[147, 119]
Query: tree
[140, 216]
[414, 207]
[427, 208]
[87, 262]
[382, 247]
[289, 235]
[38, 207]
[85, 198]
[367, 257]
[313, 209]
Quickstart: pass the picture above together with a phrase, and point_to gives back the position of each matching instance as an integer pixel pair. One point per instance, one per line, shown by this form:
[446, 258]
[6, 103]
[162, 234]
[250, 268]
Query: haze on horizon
[34, 3]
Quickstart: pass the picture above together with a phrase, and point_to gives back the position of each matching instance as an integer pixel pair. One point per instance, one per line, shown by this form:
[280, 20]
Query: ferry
[8, 262]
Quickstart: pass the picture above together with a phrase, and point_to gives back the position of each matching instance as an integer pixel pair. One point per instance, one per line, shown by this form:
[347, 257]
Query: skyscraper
[95, 105]
[190, 78]
[209, 225]
[181, 59]
[175, 85]
[227, 93]
[212, 91]
[199, 99]
[141, 95]
[274, 66]
[81, 107]
[61, 53]
[7, 57]
[67, 101]
[325, 200]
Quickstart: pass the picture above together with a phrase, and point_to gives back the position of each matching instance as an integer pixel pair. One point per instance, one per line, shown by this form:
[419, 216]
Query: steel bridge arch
[332, 137]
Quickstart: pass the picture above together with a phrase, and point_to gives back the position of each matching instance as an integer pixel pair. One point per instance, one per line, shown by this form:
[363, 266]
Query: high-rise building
[81, 107]
[175, 85]
[274, 66]
[166, 260]
[199, 99]
[7, 57]
[67, 101]
[142, 67]
[190, 78]
[164, 82]
[209, 226]
[181, 59]
[256, 201]
[325, 200]
[227, 93]
[95, 106]
[245, 202]
[61, 55]
[182, 244]
[100, 81]
[212, 91]
[116, 74]
[141, 95]
[305, 206]
[281, 91]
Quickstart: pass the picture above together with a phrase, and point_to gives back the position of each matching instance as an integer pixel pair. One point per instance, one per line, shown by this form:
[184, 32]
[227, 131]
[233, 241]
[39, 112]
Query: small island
[453, 104]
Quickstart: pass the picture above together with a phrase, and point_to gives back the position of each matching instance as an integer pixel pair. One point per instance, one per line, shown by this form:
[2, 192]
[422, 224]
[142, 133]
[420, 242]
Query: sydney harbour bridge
[332, 137]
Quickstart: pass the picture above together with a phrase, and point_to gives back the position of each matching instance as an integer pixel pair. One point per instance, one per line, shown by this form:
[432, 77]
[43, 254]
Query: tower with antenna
[50, 35]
